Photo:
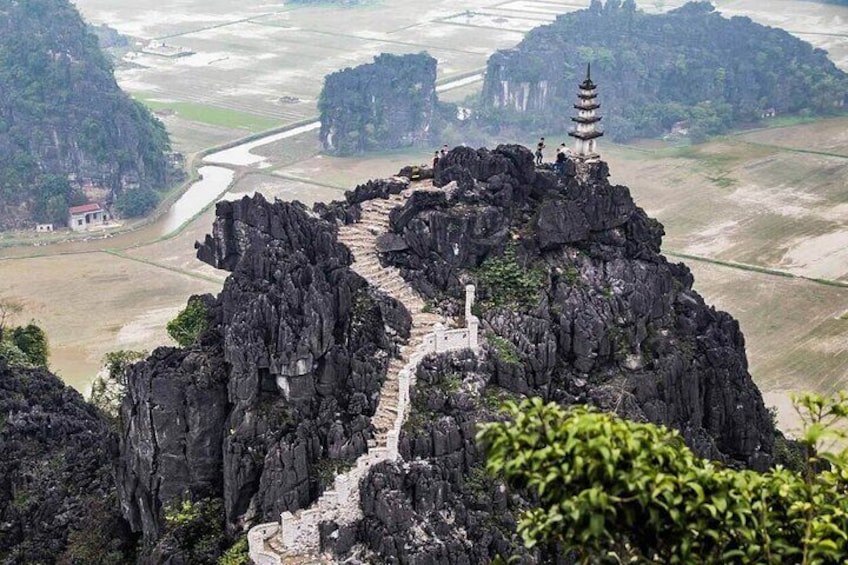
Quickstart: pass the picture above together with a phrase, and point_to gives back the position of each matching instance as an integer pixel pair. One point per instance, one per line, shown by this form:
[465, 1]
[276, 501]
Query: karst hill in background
[65, 125]
[691, 66]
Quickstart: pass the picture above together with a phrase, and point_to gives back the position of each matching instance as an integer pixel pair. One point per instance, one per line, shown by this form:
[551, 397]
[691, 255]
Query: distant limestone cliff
[387, 104]
[690, 70]
[63, 118]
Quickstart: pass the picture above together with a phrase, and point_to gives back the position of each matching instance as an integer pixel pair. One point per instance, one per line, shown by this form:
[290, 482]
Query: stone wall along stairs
[296, 537]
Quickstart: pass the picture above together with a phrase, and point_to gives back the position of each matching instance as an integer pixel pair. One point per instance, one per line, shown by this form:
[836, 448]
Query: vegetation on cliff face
[62, 115]
[387, 104]
[57, 493]
[21, 346]
[690, 64]
[189, 323]
[612, 490]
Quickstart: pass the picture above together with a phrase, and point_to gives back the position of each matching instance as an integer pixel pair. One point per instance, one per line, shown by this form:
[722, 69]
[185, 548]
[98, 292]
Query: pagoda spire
[586, 134]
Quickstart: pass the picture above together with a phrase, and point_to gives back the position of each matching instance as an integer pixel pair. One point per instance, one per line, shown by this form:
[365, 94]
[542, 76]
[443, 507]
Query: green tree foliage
[61, 112]
[196, 530]
[615, 491]
[53, 197]
[655, 70]
[238, 554]
[188, 325]
[505, 282]
[108, 389]
[8, 310]
[21, 345]
[32, 341]
[137, 202]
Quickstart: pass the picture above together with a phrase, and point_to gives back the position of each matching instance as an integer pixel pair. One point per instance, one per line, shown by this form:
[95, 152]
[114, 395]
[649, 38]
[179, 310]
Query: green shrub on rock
[190, 323]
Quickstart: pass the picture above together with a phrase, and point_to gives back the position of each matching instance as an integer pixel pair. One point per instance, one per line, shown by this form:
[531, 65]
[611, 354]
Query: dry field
[93, 303]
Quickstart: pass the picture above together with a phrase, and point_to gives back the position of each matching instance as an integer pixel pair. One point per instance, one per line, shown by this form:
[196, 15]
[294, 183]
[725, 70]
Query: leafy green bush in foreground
[615, 491]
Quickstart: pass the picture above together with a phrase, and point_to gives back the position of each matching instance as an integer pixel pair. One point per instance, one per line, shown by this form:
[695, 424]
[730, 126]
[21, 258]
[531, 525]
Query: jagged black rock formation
[212, 420]
[56, 477]
[62, 114]
[613, 323]
[280, 388]
[440, 507]
[386, 104]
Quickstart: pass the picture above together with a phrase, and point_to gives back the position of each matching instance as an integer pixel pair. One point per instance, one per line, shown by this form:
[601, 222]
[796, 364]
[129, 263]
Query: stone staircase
[361, 240]
[295, 539]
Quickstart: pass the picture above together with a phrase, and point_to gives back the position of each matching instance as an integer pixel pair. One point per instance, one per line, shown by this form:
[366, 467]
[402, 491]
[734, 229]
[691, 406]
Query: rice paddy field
[761, 217]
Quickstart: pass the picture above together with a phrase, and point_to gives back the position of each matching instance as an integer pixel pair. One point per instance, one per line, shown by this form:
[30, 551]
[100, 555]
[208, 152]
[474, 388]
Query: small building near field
[44, 228]
[81, 218]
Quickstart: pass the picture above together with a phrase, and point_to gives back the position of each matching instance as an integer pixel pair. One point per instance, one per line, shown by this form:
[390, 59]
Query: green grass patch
[213, 115]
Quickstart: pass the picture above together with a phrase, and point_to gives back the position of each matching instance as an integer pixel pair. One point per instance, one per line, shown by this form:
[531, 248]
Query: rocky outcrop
[610, 322]
[278, 391]
[56, 478]
[440, 507]
[387, 104]
[176, 407]
[577, 305]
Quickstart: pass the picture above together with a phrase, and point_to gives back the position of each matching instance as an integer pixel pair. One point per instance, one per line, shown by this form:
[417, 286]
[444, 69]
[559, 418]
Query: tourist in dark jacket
[539, 147]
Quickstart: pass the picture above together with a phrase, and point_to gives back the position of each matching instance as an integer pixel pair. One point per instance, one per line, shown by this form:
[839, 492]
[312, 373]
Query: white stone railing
[299, 532]
[256, 539]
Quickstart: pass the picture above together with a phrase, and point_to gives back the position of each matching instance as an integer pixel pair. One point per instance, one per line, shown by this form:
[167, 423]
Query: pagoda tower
[585, 135]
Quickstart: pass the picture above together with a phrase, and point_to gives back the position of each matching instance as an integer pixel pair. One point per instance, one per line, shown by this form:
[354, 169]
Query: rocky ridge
[280, 393]
[291, 312]
[57, 491]
[613, 324]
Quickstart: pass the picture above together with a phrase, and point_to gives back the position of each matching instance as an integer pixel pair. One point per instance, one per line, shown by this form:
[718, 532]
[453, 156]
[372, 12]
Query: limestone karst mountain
[300, 369]
[387, 104]
[691, 67]
[63, 117]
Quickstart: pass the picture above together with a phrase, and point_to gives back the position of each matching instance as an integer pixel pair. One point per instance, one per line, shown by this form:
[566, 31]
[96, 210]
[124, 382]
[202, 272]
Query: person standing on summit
[539, 147]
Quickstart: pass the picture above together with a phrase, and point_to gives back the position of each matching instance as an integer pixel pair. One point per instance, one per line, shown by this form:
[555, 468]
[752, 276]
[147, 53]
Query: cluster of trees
[61, 112]
[21, 345]
[614, 491]
[690, 64]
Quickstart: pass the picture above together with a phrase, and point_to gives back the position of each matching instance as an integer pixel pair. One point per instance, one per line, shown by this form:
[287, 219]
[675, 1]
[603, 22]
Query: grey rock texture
[614, 323]
[210, 421]
[611, 323]
[440, 507]
[56, 475]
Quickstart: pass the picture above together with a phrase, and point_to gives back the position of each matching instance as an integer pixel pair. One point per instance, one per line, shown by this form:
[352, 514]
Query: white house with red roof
[81, 218]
